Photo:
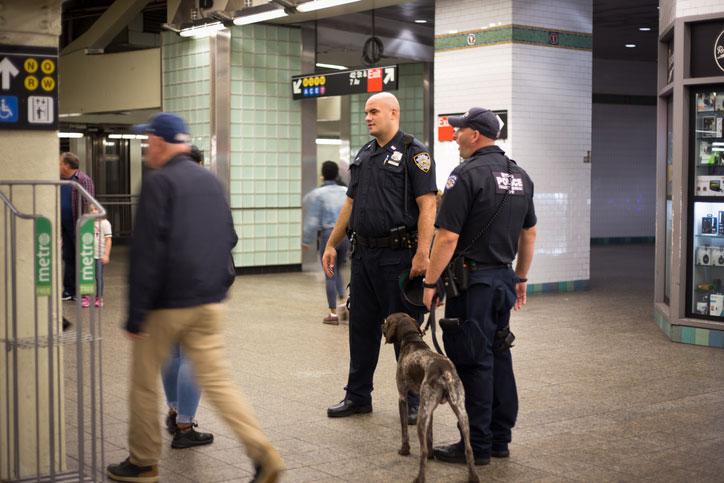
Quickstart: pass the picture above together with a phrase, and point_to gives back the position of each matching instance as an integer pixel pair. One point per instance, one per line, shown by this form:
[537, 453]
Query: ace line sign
[357, 81]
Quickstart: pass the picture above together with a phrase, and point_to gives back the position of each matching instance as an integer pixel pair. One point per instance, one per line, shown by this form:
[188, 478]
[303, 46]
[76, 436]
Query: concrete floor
[604, 395]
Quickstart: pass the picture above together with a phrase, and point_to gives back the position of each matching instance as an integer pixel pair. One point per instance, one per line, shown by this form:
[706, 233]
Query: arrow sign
[7, 70]
[389, 75]
[297, 86]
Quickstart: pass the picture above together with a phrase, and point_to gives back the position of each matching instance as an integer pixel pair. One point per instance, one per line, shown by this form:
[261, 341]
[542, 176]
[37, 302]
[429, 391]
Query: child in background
[102, 229]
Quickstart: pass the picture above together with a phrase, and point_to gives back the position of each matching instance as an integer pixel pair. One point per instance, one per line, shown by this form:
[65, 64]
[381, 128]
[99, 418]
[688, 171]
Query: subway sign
[358, 81]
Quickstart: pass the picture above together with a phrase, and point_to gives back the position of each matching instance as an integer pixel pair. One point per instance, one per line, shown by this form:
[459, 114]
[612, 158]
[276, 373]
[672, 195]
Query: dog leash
[432, 325]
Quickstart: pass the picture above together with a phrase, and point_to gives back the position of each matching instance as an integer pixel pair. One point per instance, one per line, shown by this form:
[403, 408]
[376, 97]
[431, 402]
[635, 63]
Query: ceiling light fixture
[70, 134]
[260, 17]
[201, 31]
[332, 66]
[420, 20]
[630, 46]
[645, 29]
[320, 4]
[328, 141]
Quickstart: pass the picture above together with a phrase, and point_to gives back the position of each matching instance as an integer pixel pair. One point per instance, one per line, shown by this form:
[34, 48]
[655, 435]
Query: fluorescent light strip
[328, 141]
[320, 4]
[332, 66]
[202, 30]
[127, 136]
[260, 17]
[70, 134]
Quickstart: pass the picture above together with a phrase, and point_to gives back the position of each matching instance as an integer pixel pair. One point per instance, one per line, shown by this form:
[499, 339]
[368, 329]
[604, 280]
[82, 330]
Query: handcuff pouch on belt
[401, 237]
[455, 277]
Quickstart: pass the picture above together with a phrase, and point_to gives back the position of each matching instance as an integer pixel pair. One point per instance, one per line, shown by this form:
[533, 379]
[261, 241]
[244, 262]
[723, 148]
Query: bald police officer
[486, 217]
[390, 210]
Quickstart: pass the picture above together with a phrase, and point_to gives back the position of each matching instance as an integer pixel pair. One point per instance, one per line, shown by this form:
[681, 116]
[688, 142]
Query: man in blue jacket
[180, 271]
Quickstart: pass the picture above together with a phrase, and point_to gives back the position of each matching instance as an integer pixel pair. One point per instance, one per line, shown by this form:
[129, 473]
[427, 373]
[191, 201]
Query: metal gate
[51, 396]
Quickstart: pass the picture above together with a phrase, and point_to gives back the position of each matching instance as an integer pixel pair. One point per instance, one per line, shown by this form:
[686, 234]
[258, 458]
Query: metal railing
[47, 341]
[120, 210]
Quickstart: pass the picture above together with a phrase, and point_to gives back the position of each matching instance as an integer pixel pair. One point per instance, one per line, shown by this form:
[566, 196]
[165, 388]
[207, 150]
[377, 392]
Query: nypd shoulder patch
[452, 179]
[423, 161]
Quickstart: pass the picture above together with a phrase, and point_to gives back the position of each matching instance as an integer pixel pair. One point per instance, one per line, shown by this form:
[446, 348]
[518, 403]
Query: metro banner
[358, 81]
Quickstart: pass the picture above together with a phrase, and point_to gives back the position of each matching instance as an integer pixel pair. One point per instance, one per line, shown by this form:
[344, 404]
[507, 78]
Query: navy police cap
[482, 120]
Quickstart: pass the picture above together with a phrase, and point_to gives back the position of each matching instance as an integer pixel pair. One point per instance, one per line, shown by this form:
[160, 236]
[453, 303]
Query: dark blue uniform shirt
[378, 185]
[473, 192]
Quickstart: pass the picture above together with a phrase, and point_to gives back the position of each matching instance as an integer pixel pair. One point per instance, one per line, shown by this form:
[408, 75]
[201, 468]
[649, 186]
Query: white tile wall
[672, 9]
[547, 92]
[667, 13]
[684, 8]
[487, 74]
[571, 15]
[462, 15]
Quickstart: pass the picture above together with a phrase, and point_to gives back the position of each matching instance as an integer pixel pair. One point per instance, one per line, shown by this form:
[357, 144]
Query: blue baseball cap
[170, 127]
[482, 120]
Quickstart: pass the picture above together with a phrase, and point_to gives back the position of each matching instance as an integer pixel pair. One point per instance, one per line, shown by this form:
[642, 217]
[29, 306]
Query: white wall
[547, 92]
[623, 170]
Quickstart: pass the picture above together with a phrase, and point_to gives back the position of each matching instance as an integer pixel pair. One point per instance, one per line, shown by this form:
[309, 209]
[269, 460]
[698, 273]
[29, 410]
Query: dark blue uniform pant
[491, 398]
[374, 294]
[68, 234]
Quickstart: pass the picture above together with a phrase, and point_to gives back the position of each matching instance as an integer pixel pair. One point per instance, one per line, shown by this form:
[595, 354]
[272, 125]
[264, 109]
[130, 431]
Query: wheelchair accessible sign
[28, 87]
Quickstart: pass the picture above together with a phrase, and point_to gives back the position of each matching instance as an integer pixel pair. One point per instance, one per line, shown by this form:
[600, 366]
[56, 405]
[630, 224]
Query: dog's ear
[388, 329]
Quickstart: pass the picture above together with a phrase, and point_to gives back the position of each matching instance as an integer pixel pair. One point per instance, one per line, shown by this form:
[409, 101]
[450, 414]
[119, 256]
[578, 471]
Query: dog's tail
[453, 388]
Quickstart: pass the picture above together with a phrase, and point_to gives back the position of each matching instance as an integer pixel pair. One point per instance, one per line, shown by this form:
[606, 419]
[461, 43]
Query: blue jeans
[179, 384]
[335, 285]
[99, 277]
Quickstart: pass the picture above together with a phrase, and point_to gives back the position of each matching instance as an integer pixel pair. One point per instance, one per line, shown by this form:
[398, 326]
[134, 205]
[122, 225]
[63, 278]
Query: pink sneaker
[86, 301]
[99, 302]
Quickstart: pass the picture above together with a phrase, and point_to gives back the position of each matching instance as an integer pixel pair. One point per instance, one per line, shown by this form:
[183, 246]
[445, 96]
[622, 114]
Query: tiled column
[265, 145]
[533, 59]
[263, 128]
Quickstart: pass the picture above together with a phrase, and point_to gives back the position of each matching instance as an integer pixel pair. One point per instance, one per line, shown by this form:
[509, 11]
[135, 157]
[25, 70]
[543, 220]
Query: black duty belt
[381, 242]
[398, 238]
[475, 266]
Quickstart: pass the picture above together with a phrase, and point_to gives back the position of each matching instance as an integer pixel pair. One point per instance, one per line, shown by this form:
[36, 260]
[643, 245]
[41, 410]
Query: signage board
[357, 81]
[43, 257]
[28, 87]
[707, 49]
[445, 131]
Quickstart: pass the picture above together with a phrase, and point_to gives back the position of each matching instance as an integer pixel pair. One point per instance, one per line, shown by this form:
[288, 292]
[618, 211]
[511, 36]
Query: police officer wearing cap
[486, 217]
[390, 212]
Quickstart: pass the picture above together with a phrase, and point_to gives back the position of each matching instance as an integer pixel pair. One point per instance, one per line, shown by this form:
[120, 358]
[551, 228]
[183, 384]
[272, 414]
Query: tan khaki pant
[199, 331]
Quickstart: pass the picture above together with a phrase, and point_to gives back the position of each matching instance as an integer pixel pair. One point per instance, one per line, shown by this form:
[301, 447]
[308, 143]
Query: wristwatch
[428, 285]
[522, 280]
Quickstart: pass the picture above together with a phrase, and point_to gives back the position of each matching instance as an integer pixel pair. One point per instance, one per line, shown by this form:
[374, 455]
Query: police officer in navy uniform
[390, 212]
[476, 332]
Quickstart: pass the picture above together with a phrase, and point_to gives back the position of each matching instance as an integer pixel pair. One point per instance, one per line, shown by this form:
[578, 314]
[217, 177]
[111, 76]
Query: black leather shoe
[412, 415]
[346, 408]
[500, 453]
[452, 453]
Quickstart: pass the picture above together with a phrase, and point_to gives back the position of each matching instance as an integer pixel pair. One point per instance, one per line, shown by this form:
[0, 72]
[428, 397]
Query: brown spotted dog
[432, 376]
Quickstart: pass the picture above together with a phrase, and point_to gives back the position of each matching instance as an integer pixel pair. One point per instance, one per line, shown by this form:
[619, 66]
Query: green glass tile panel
[701, 336]
[688, 335]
